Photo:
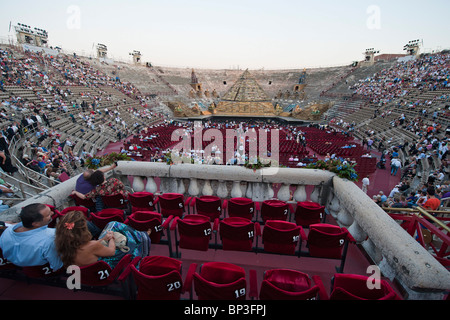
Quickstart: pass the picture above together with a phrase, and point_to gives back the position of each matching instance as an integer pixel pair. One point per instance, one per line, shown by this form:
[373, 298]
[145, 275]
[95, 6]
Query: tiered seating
[160, 277]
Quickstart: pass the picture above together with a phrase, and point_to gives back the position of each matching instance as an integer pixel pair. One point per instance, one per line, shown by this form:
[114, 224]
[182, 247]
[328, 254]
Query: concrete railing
[397, 254]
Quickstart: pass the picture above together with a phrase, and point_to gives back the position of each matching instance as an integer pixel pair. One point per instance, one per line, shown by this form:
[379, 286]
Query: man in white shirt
[395, 165]
[365, 184]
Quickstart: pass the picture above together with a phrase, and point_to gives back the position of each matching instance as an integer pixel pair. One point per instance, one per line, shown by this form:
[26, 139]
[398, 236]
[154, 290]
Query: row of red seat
[160, 278]
[230, 230]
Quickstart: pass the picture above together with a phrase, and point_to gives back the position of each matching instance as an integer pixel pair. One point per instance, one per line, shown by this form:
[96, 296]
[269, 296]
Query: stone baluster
[344, 218]
[181, 188]
[236, 191]
[300, 194]
[357, 232]
[138, 184]
[207, 189]
[249, 191]
[193, 189]
[222, 191]
[151, 185]
[315, 194]
[284, 193]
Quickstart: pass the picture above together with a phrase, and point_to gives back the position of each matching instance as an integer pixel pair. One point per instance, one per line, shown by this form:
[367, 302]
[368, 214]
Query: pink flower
[69, 226]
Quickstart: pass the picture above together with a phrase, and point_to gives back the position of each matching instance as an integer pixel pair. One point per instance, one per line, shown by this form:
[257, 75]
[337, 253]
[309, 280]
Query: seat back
[75, 208]
[55, 215]
[141, 201]
[41, 272]
[237, 234]
[88, 203]
[100, 273]
[172, 204]
[103, 217]
[210, 206]
[5, 265]
[308, 213]
[280, 237]
[146, 220]
[195, 232]
[274, 210]
[285, 284]
[326, 241]
[158, 278]
[220, 281]
[241, 207]
[354, 287]
[115, 201]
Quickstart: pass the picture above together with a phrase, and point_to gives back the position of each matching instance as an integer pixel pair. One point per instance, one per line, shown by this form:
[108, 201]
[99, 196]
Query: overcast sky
[252, 34]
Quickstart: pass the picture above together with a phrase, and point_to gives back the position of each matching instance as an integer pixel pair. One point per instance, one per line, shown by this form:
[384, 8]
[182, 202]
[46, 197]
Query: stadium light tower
[413, 47]
[102, 51]
[137, 56]
[31, 36]
[369, 57]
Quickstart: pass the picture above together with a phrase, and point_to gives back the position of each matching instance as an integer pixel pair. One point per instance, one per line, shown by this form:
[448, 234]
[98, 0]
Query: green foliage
[256, 165]
[105, 160]
[345, 171]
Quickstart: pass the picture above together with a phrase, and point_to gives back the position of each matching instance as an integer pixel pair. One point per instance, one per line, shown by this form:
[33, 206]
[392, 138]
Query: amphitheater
[100, 106]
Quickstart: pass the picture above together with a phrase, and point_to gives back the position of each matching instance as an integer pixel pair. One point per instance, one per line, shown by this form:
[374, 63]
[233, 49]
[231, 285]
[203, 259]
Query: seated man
[30, 242]
[432, 203]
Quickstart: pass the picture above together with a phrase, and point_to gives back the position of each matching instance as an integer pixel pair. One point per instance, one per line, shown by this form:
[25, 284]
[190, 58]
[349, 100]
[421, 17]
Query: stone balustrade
[396, 253]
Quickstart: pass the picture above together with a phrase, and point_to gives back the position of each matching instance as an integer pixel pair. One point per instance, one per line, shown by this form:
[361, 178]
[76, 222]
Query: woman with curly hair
[74, 241]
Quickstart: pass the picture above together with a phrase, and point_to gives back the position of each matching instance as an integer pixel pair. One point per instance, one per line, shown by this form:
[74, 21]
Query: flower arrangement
[168, 158]
[105, 160]
[345, 171]
[256, 164]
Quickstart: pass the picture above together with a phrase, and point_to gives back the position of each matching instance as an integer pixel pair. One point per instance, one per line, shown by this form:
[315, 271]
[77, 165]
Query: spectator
[31, 242]
[395, 165]
[6, 165]
[432, 203]
[74, 242]
[365, 184]
[103, 187]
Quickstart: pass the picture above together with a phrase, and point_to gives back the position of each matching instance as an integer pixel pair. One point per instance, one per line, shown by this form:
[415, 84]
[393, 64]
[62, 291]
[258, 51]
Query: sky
[231, 34]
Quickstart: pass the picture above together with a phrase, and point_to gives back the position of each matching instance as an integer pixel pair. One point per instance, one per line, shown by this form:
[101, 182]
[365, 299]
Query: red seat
[88, 203]
[285, 284]
[195, 232]
[354, 287]
[75, 208]
[238, 234]
[210, 206]
[220, 281]
[328, 241]
[55, 216]
[171, 204]
[101, 274]
[141, 201]
[280, 237]
[147, 220]
[5, 265]
[103, 217]
[241, 207]
[157, 278]
[274, 210]
[308, 213]
[117, 201]
[42, 272]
